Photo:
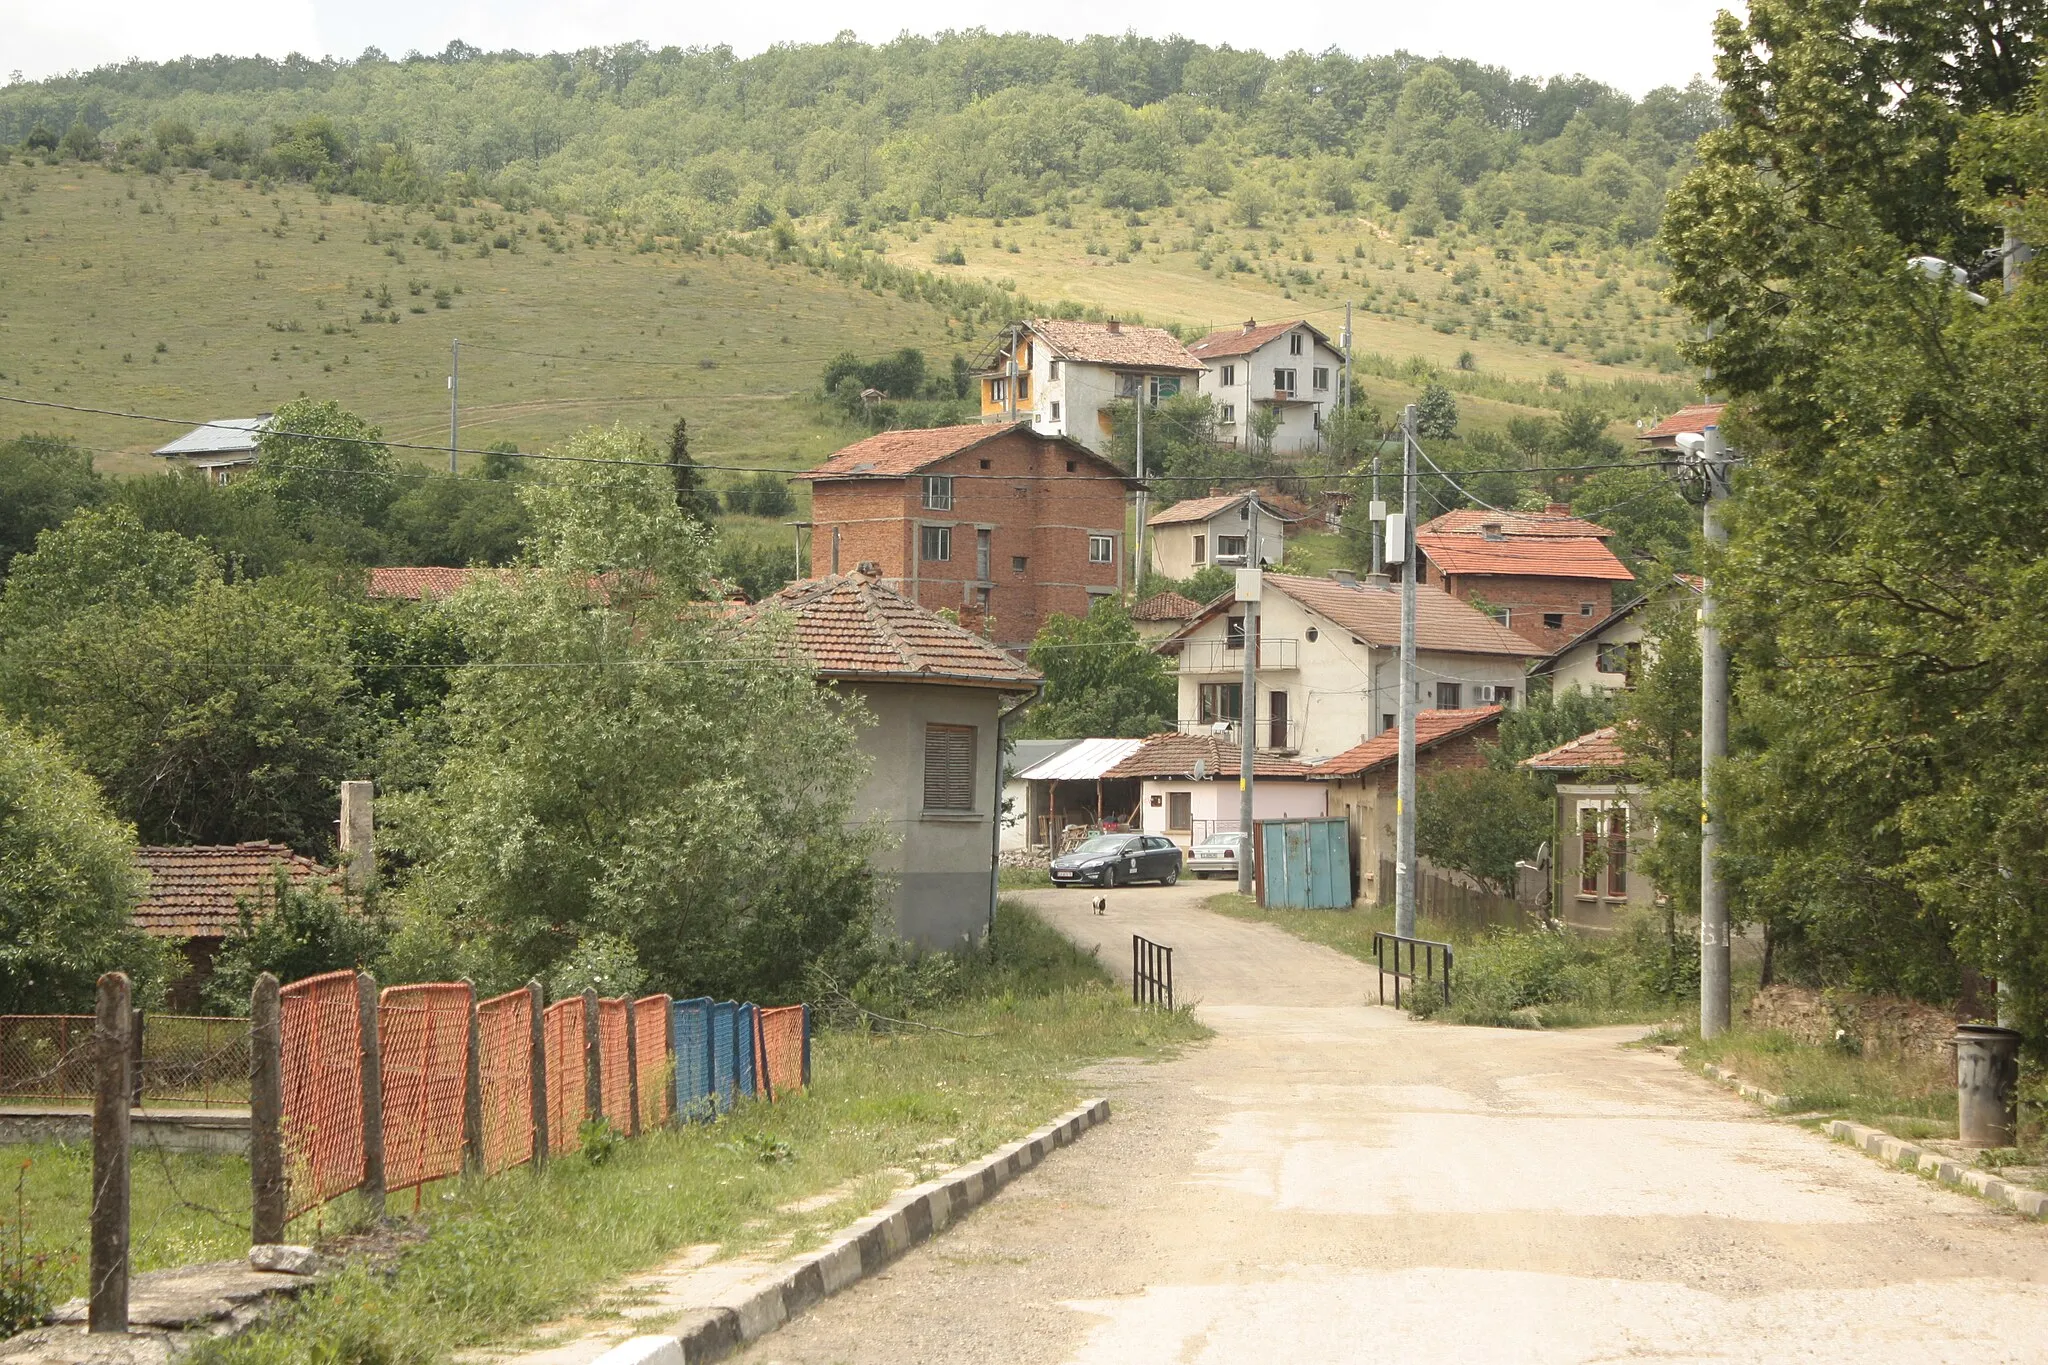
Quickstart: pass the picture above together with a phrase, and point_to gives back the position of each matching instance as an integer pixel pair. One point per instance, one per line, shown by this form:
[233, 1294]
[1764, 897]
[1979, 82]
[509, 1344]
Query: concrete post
[1716, 1004]
[107, 1286]
[593, 1059]
[266, 1114]
[358, 834]
[537, 1075]
[632, 1069]
[373, 1096]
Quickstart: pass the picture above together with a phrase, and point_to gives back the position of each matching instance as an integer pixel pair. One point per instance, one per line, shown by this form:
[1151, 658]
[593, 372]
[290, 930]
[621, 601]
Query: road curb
[759, 1307]
[1743, 1088]
[1948, 1171]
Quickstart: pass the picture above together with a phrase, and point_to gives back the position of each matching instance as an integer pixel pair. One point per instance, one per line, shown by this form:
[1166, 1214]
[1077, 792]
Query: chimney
[1378, 580]
[1345, 576]
[1249, 323]
[358, 835]
[868, 568]
[1492, 530]
[1115, 327]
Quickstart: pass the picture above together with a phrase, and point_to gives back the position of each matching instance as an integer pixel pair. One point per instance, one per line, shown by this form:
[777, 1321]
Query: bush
[760, 495]
[308, 932]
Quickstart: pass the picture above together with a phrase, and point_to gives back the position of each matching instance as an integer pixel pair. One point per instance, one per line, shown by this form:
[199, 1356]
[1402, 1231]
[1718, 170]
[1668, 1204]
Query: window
[1220, 702]
[1589, 852]
[1618, 658]
[1320, 377]
[1504, 615]
[1447, 695]
[1421, 568]
[1227, 414]
[938, 492]
[998, 390]
[1101, 550]
[1180, 810]
[1023, 388]
[1617, 853]
[1201, 555]
[1387, 721]
[1229, 547]
[835, 549]
[949, 767]
[1055, 409]
[984, 464]
[1294, 343]
[1165, 386]
[1503, 696]
[1052, 368]
[1228, 377]
[1276, 720]
[1071, 466]
[935, 544]
[1026, 362]
[1585, 608]
[1233, 633]
[1315, 419]
[1553, 620]
[1019, 563]
[982, 558]
[1283, 381]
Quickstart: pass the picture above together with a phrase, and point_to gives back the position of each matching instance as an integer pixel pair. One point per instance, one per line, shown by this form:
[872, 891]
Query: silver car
[1217, 856]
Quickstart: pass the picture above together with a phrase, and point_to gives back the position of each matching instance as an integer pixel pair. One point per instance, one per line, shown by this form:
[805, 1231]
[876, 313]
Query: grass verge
[1912, 1097]
[505, 1254]
[1503, 978]
[1023, 878]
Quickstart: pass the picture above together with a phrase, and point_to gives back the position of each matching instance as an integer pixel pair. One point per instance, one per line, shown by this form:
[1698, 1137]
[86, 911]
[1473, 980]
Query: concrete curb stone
[753, 1310]
[1745, 1089]
[1946, 1170]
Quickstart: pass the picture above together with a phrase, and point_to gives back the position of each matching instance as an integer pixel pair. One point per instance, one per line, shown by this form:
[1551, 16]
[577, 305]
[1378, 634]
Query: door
[981, 554]
[1276, 709]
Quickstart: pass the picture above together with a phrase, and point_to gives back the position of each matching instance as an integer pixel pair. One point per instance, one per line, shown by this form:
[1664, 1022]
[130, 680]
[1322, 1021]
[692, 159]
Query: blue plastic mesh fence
[692, 1032]
[723, 1019]
[744, 1051]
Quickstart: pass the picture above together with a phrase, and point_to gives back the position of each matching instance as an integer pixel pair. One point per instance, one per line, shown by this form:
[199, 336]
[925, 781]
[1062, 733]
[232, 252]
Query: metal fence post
[537, 1075]
[593, 1059]
[373, 1096]
[135, 1058]
[473, 1092]
[107, 1305]
[266, 1114]
[632, 1070]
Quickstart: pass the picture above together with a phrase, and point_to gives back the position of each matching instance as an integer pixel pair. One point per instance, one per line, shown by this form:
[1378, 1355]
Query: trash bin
[1987, 1085]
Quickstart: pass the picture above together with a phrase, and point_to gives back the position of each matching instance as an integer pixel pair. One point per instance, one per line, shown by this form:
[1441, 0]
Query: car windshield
[1104, 843]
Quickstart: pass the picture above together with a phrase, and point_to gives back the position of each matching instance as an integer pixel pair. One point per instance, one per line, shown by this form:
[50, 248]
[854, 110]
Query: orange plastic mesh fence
[614, 1065]
[323, 1088]
[504, 1026]
[782, 1049]
[562, 1033]
[423, 1040]
[650, 1041]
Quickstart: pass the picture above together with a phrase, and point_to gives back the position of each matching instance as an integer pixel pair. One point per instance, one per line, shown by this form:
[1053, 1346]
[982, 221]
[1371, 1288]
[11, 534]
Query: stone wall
[1880, 1024]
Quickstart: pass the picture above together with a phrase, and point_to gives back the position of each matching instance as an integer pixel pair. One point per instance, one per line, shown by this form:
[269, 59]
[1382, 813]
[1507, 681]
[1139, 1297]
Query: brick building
[1003, 525]
[1547, 576]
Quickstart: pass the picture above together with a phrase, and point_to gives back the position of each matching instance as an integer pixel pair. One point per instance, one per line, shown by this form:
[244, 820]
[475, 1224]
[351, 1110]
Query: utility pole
[1138, 572]
[1344, 394]
[1714, 936]
[1404, 797]
[454, 396]
[1248, 703]
[1010, 375]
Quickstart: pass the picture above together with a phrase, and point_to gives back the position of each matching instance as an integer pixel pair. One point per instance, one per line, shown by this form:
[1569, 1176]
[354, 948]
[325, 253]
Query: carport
[1069, 789]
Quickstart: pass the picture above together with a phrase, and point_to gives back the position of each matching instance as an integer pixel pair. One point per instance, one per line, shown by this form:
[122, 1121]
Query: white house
[1288, 367]
[1188, 787]
[221, 449]
[1217, 529]
[1329, 657]
[1610, 656]
[1067, 378]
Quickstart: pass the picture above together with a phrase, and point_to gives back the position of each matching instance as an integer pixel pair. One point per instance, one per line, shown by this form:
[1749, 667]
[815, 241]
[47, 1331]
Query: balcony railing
[1270, 738]
[1219, 656]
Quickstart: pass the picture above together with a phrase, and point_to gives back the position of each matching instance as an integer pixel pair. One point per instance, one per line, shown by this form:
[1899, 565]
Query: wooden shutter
[949, 767]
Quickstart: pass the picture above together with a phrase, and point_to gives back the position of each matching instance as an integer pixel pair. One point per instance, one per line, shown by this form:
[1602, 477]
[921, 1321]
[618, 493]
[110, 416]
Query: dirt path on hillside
[1331, 1182]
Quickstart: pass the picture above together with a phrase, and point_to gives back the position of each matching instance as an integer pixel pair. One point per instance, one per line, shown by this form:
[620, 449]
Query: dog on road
[1100, 905]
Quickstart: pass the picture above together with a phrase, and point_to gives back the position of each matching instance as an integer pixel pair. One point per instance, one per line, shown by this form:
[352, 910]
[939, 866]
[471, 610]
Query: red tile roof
[1373, 615]
[424, 583]
[1431, 728]
[1102, 343]
[1525, 556]
[1229, 341]
[900, 454]
[1558, 521]
[1696, 418]
[1176, 755]
[193, 890]
[1199, 509]
[854, 627]
[1166, 606]
[1600, 749]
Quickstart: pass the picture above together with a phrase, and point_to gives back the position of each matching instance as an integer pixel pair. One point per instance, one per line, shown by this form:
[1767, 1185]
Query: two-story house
[1289, 367]
[1329, 659]
[1002, 525]
[1197, 532]
[1067, 378]
[1548, 576]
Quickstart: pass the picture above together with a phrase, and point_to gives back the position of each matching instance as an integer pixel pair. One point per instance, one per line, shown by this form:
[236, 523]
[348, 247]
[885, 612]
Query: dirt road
[1330, 1182]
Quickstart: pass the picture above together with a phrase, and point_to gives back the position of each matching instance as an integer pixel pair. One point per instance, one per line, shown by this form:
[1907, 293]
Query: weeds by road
[507, 1253]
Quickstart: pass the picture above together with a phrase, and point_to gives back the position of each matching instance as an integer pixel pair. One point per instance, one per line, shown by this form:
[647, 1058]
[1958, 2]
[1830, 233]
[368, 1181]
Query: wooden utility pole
[107, 1287]
[267, 1187]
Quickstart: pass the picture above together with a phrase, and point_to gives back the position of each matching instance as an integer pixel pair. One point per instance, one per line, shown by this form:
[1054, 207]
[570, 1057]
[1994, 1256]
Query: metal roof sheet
[1085, 761]
[224, 436]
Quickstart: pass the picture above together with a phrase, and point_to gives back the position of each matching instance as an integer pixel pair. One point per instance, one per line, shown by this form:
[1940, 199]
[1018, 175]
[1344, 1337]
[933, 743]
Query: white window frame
[1283, 379]
[938, 492]
[1227, 415]
[1319, 378]
[942, 536]
[999, 390]
[1223, 550]
[1055, 409]
[1101, 548]
[1294, 343]
[1229, 377]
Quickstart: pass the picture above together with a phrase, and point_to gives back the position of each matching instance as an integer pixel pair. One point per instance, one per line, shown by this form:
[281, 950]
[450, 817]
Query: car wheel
[1109, 876]
[1170, 878]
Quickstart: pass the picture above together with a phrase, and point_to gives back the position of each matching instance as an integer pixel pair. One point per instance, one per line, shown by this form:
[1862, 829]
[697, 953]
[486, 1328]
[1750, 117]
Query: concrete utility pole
[1250, 586]
[454, 396]
[1344, 394]
[1404, 799]
[1714, 982]
[1138, 572]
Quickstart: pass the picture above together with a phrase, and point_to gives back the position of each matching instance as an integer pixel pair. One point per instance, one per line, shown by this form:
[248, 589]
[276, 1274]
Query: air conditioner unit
[1488, 694]
[1222, 727]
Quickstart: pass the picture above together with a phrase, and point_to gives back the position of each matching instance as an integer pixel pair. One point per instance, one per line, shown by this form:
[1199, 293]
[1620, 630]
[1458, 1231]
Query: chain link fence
[423, 1035]
[504, 1026]
[184, 1061]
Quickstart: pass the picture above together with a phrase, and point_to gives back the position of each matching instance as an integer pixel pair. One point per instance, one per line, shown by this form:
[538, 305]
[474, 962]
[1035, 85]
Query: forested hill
[685, 141]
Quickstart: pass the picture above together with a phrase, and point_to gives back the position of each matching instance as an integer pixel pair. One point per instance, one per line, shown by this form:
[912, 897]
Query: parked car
[1217, 856]
[1116, 859]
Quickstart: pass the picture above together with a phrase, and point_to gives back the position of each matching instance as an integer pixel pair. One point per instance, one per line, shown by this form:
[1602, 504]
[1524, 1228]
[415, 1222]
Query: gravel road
[1327, 1181]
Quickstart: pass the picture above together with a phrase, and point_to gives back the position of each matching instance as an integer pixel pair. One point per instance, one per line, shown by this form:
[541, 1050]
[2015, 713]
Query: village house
[935, 697]
[1693, 420]
[1021, 756]
[1197, 532]
[1548, 576]
[221, 450]
[1329, 662]
[1611, 655]
[1188, 788]
[1289, 368]
[1161, 614]
[1072, 789]
[1363, 784]
[1067, 378]
[196, 894]
[1002, 525]
[1600, 817]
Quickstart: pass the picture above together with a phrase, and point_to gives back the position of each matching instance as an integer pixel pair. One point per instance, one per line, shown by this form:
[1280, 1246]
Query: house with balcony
[1602, 820]
[1067, 378]
[1328, 653]
[1611, 655]
[1548, 576]
[1197, 532]
[1003, 526]
[1289, 368]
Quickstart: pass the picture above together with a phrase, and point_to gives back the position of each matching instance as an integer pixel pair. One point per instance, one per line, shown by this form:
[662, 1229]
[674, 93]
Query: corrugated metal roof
[1084, 762]
[1026, 752]
[226, 436]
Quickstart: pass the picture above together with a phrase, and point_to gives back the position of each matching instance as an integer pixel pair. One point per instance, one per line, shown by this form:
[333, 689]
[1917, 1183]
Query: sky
[1634, 45]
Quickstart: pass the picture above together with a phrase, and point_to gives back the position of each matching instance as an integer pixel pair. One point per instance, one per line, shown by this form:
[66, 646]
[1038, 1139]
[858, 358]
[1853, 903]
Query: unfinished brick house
[1547, 576]
[1002, 525]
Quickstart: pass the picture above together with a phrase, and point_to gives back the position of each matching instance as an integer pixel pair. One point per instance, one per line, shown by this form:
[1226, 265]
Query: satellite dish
[1201, 770]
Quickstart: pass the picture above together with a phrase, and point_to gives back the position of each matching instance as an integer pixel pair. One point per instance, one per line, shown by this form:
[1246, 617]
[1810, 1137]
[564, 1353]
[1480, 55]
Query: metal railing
[1423, 953]
[1221, 656]
[1151, 972]
[1266, 736]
